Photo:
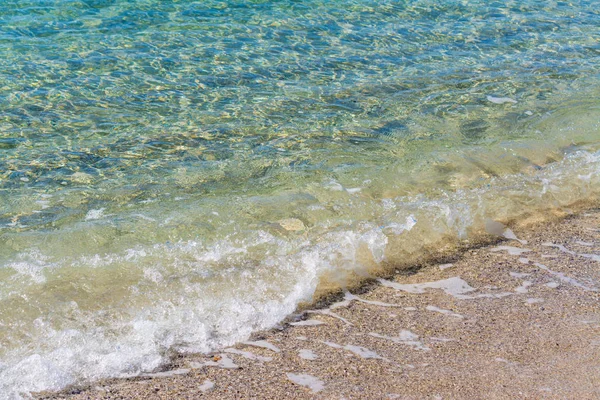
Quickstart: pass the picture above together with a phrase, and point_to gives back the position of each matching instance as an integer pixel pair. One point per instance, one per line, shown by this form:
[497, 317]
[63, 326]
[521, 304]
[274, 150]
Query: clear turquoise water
[175, 175]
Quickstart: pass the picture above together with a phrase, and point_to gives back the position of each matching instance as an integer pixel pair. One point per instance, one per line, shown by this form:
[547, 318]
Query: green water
[175, 175]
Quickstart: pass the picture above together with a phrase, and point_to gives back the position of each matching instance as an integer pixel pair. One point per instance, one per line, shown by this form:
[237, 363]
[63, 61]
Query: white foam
[32, 264]
[306, 354]
[405, 337]
[582, 243]
[446, 266]
[309, 381]
[94, 214]
[180, 313]
[444, 311]
[398, 228]
[362, 352]
[308, 322]
[518, 274]
[552, 285]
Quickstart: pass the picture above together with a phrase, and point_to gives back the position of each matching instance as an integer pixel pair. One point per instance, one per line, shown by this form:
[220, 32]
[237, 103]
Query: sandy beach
[518, 319]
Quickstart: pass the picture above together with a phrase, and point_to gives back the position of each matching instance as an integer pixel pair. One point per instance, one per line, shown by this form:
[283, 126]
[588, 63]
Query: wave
[83, 318]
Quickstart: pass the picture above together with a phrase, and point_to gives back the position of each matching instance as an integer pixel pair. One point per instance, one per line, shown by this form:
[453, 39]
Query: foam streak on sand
[309, 381]
[350, 297]
[444, 311]
[247, 354]
[453, 286]
[562, 248]
[362, 352]
[307, 354]
[308, 322]
[330, 313]
[565, 278]
[206, 386]
[263, 344]
[405, 337]
[513, 251]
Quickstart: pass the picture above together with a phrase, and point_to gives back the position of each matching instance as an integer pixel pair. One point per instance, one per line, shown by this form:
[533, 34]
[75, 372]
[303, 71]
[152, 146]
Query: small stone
[81, 177]
[500, 100]
[292, 224]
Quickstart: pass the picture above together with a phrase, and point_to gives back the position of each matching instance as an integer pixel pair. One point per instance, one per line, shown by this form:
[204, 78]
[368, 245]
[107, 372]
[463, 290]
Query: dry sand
[529, 329]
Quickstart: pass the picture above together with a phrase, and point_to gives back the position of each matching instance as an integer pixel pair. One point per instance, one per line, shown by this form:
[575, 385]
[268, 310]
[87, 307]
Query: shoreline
[498, 321]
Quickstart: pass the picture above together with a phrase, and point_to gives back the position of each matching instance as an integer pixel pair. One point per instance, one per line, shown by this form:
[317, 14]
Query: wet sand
[512, 320]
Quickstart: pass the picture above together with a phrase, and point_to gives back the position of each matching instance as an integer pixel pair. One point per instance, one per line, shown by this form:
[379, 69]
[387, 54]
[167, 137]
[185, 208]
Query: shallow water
[175, 175]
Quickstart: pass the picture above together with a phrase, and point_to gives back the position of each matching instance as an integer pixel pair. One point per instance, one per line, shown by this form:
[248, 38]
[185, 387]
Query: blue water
[175, 175]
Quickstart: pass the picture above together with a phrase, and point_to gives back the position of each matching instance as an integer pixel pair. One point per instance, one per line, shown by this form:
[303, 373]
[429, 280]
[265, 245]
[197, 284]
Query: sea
[176, 175]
